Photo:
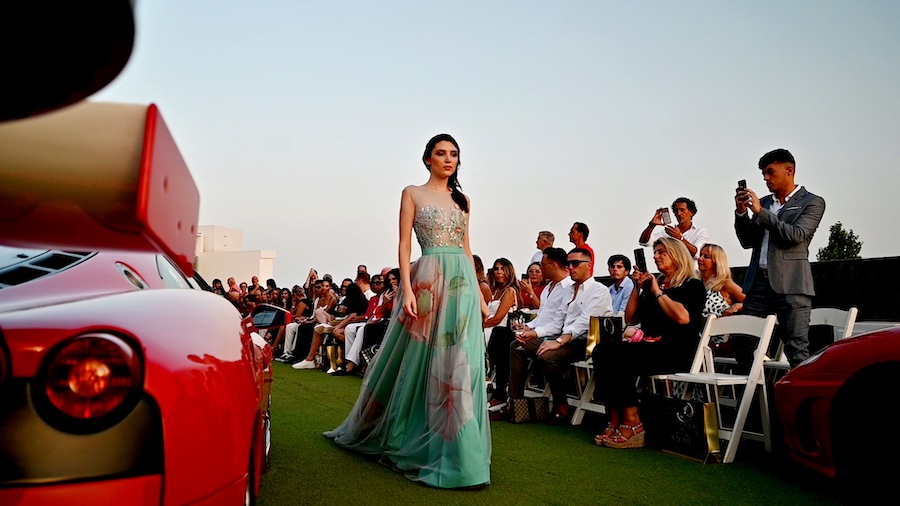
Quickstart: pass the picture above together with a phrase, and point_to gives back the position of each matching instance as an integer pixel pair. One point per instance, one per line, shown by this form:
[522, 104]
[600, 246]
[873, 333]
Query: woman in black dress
[668, 308]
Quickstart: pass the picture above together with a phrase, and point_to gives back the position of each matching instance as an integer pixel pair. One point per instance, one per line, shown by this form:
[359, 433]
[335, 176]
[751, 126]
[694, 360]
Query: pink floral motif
[449, 393]
[428, 291]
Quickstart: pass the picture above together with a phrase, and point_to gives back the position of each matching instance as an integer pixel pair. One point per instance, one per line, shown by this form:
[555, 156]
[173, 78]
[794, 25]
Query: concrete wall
[220, 255]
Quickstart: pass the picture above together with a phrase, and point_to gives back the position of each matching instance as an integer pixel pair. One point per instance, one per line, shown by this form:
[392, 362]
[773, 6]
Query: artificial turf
[530, 464]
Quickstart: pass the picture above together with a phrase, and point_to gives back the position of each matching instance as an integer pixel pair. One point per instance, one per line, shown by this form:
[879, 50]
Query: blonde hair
[684, 263]
[722, 273]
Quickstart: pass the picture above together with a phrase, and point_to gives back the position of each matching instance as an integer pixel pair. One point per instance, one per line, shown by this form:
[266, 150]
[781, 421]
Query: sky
[302, 121]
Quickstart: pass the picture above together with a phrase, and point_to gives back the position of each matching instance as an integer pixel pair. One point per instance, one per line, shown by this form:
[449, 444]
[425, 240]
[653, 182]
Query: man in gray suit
[779, 278]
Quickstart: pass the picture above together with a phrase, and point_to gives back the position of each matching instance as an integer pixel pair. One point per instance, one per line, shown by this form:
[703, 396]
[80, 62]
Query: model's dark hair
[692, 207]
[582, 228]
[453, 182]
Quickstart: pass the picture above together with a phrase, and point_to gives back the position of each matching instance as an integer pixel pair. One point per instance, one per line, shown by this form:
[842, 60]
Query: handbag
[529, 409]
[604, 329]
[689, 428]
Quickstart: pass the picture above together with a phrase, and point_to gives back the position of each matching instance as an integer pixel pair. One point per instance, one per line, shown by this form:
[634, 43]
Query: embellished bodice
[438, 221]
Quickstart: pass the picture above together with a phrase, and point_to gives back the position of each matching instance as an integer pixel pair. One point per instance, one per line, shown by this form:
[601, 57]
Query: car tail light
[92, 377]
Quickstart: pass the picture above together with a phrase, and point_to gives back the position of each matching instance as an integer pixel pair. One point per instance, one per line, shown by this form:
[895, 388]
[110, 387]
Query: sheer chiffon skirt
[422, 406]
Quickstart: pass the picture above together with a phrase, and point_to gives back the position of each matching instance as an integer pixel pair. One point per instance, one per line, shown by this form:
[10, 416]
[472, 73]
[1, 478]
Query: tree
[842, 244]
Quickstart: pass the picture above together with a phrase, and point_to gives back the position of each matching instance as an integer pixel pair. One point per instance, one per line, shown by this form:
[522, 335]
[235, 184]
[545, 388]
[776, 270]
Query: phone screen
[742, 184]
[524, 276]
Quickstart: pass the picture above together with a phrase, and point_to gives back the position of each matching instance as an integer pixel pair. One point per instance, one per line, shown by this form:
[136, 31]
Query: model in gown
[422, 406]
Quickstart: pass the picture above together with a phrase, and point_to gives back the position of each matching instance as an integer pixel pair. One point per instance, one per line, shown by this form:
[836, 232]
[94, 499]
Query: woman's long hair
[510, 272]
[355, 301]
[479, 269]
[684, 263]
[453, 182]
[722, 274]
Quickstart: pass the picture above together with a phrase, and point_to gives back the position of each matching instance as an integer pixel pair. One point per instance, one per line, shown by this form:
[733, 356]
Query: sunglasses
[575, 263]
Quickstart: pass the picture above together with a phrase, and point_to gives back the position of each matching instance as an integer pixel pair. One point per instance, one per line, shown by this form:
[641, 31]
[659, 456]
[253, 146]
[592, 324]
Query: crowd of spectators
[663, 312]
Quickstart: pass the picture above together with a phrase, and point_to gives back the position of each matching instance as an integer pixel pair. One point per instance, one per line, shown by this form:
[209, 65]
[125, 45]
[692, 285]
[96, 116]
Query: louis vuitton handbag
[529, 409]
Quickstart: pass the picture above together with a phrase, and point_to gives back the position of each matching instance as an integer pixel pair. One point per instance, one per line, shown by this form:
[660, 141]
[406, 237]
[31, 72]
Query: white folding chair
[842, 322]
[703, 358]
[753, 383]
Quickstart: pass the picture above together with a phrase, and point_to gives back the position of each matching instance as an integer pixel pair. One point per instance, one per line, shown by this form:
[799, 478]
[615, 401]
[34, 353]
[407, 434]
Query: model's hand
[409, 305]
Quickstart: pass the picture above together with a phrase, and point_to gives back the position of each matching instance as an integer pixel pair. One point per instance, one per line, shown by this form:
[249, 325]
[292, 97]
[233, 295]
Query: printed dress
[422, 406]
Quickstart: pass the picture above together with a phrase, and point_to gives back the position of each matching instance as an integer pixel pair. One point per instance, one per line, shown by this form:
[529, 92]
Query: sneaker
[304, 364]
[287, 357]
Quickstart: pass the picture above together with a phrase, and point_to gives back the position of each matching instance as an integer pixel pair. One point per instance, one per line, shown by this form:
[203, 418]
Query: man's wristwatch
[560, 341]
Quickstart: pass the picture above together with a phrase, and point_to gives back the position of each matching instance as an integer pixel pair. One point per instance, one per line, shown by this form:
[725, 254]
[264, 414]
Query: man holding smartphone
[779, 278]
[684, 230]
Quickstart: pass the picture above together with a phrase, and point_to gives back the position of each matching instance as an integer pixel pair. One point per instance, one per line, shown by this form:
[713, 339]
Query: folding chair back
[752, 383]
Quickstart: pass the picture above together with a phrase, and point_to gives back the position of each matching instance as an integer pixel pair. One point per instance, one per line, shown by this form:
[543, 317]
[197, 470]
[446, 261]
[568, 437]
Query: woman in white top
[503, 300]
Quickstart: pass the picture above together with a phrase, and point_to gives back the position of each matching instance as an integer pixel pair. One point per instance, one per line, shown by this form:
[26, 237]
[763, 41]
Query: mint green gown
[422, 406]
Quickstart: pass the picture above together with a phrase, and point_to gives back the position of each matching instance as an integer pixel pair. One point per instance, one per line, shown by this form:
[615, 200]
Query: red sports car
[119, 382]
[838, 408]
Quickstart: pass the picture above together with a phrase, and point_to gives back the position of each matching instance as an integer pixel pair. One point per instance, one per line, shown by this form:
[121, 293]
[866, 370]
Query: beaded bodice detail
[438, 221]
[440, 227]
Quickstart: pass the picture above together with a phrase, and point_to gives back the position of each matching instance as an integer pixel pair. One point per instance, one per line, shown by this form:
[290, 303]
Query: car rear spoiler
[97, 176]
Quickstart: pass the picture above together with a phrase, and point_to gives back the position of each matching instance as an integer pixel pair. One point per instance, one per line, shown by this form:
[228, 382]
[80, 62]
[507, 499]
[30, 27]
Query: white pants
[290, 337]
[353, 340]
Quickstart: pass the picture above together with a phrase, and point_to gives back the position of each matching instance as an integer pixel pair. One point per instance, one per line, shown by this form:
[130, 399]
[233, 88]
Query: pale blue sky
[302, 121]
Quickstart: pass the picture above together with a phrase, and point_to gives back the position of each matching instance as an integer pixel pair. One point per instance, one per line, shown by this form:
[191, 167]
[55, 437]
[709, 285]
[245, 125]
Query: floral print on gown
[422, 406]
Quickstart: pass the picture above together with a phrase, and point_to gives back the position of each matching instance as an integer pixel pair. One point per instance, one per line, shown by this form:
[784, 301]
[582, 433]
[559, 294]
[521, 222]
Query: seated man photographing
[558, 336]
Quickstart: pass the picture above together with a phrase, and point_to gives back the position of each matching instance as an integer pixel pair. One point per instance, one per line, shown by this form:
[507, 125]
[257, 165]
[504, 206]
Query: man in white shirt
[544, 240]
[558, 336]
[684, 230]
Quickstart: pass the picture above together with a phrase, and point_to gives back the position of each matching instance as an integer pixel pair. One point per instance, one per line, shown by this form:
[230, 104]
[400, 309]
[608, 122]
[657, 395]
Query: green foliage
[842, 244]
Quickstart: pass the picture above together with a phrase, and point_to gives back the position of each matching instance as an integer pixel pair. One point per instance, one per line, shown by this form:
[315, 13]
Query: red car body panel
[109, 178]
[804, 397]
[201, 366]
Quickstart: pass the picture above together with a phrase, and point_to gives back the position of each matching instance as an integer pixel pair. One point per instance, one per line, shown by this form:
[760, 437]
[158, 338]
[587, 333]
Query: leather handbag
[690, 428]
[604, 329]
[529, 409]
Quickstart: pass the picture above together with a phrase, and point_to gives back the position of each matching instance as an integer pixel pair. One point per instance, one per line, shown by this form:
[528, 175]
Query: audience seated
[483, 283]
[723, 296]
[553, 344]
[669, 310]
[355, 304]
[352, 333]
[502, 302]
[620, 289]
[531, 287]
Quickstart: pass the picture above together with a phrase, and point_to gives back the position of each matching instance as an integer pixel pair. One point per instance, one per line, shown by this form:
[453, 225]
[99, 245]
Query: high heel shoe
[619, 440]
[608, 432]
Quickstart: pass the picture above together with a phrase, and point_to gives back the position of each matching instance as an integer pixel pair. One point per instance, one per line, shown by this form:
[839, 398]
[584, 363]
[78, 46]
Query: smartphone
[742, 184]
[639, 260]
[666, 217]
[524, 277]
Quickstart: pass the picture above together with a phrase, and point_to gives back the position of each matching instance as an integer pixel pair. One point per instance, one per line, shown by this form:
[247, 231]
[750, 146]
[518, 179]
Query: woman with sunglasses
[669, 309]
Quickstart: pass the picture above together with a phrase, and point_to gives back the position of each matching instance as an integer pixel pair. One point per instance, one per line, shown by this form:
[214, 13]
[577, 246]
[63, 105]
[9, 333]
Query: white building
[220, 254]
